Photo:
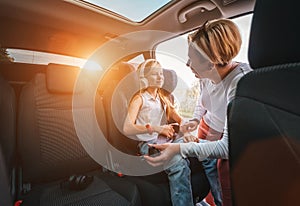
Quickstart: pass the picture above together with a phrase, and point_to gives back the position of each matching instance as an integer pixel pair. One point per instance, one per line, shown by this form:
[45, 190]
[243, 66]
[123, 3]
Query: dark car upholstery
[110, 86]
[51, 152]
[264, 117]
[7, 142]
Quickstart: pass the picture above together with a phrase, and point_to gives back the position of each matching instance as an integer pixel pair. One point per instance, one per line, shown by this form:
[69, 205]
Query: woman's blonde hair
[220, 40]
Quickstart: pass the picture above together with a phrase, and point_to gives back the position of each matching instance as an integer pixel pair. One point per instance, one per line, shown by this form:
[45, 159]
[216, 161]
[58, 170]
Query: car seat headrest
[124, 69]
[61, 78]
[170, 81]
[274, 37]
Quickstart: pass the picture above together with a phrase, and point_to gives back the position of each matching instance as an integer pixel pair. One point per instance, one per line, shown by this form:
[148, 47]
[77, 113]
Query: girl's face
[198, 62]
[155, 77]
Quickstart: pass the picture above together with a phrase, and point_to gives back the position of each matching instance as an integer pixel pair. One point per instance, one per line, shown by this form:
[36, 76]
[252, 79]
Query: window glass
[133, 10]
[34, 57]
[137, 60]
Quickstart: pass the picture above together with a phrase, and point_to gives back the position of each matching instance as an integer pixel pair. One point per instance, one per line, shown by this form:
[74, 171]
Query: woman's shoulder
[235, 76]
[244, 67]
[240, 70]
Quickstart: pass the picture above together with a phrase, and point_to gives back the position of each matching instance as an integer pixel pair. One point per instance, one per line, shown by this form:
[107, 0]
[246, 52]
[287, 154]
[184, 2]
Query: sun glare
[92, 66]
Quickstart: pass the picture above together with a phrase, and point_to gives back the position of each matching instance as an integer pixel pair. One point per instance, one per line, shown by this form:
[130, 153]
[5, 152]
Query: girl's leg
[179, 175]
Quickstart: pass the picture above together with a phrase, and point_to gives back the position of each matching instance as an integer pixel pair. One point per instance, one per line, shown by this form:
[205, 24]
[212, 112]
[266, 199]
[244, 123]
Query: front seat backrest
[264, 117]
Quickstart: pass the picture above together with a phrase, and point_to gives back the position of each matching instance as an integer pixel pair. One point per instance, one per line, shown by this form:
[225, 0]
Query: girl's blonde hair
[219, 39]
[145, 67]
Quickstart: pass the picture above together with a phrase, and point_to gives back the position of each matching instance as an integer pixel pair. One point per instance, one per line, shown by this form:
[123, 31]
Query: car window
[137, 60]
[35, 57]
[123, 8]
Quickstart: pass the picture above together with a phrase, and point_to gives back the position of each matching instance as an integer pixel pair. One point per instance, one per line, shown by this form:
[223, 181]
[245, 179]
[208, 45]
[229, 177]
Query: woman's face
[198, 62]
[155, 77]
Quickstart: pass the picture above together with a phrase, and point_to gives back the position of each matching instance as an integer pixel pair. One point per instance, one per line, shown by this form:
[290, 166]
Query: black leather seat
[264, 117]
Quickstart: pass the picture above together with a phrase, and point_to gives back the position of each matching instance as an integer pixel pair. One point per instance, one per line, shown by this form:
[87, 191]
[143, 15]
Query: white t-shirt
[212, 106]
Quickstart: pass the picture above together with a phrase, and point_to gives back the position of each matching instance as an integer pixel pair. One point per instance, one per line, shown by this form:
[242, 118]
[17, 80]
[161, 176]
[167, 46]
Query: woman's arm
[199, 110]
[212, 149]
[216, 149]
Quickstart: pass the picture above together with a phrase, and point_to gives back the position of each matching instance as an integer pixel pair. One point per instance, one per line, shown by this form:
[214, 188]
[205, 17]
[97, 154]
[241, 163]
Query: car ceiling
[60, 27]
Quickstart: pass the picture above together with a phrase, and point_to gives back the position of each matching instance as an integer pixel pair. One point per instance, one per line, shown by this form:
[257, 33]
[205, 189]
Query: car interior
[61, 122]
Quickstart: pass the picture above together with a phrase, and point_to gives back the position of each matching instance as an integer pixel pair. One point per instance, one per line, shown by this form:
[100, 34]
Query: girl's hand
[166, 130]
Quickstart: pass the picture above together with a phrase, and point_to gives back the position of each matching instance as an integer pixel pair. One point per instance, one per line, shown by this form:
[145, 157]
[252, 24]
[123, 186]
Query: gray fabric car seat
[7, 143]
[264, 117]
[50, 149]
[46, 129]
[115, 89]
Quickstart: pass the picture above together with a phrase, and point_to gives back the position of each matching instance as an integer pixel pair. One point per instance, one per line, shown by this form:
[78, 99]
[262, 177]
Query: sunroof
[133, 10]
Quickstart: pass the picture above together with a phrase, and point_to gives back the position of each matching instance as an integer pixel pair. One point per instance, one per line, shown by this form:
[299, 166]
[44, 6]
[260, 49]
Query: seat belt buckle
[18, 202]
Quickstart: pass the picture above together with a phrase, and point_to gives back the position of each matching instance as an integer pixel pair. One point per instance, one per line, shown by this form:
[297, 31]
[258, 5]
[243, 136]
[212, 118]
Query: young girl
[148, 115]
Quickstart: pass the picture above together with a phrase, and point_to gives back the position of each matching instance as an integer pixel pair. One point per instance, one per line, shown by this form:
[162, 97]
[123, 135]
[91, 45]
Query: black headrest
[61, 78]
[275, 36]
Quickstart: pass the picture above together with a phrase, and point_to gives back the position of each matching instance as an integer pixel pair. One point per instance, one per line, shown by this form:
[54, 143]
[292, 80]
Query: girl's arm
[130, 127]
[175, 116]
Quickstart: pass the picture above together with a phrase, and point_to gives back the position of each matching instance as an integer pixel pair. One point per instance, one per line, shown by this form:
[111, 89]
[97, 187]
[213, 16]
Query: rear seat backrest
[51, 151]
[48, 144]
[5, 196]
[8, 122]
[7, 142]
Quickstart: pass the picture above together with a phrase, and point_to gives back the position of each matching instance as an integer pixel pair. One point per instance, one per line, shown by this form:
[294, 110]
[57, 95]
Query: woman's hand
[187, 137]
[167, 151]
[188, 126]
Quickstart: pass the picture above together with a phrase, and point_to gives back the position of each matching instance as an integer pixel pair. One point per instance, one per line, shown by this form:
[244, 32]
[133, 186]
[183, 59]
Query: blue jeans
[179, 175]
[210, 168]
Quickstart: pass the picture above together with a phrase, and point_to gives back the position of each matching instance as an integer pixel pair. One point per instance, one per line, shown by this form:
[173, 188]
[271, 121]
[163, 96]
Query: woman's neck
[223, 71]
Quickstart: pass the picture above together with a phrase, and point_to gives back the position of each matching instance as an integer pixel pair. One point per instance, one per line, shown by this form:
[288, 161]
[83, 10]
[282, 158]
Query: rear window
[35, 57]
